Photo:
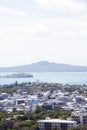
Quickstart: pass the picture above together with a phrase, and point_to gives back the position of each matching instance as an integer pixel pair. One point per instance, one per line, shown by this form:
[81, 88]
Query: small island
[18, 75]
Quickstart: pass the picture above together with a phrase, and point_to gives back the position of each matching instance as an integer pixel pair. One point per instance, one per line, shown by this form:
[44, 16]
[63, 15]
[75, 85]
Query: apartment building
[49, 124]
[80, 117]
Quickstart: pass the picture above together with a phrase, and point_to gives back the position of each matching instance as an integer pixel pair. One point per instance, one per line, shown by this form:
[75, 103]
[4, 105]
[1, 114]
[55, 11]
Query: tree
[54, 128]
[84, 127]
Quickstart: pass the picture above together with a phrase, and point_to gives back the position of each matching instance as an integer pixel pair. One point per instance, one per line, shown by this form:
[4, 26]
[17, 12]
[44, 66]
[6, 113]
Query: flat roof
[57, 121]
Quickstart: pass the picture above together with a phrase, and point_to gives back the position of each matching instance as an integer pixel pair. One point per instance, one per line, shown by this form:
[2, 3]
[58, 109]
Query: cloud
[62, 40]
[52, 28]
[4, 9]
[62, 5]
[20, 0]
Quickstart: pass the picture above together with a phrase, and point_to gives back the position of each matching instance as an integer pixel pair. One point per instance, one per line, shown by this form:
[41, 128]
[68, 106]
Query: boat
[18, 75]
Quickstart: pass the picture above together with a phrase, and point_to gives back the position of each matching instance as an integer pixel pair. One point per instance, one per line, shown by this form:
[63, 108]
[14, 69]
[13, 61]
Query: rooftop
[57, 121]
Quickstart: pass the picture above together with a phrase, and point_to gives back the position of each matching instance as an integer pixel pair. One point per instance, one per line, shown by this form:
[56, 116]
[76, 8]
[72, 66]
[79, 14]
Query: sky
[43, 30]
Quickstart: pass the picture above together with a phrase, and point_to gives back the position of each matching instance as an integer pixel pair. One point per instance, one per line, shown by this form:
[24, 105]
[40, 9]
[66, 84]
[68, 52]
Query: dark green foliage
[54, 128]
[28, 121]
[84, 127]
[6, 125]
[2, 115]
[22, 118]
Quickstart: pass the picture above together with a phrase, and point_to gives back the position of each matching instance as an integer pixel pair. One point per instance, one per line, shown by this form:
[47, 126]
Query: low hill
[45, 66]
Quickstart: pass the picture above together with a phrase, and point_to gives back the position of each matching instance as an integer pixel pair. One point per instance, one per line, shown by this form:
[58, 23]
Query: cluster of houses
[23, 101]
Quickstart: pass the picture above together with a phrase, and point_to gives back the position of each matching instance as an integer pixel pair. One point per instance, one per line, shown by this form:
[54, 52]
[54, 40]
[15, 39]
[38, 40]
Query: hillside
[45, 66]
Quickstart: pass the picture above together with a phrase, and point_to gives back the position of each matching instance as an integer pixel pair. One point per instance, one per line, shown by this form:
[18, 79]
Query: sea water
[79, 78]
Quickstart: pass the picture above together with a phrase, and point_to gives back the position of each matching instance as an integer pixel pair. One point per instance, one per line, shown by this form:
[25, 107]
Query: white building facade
[49, 124]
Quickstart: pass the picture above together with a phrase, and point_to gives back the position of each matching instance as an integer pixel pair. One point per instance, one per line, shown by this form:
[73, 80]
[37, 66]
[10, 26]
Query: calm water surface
[56, 77]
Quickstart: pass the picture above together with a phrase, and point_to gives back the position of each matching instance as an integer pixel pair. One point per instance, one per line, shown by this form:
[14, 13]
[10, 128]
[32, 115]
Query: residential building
[49, 124]
[80, 117]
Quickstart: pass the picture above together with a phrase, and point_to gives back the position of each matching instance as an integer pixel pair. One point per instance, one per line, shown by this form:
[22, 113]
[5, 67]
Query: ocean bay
[79, 78]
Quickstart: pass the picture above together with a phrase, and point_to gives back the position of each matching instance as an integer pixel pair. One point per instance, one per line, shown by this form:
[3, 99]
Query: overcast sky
[37, 30]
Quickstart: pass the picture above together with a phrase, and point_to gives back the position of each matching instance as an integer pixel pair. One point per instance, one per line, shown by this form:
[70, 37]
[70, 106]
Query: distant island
[45, 66]
[18, 75]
